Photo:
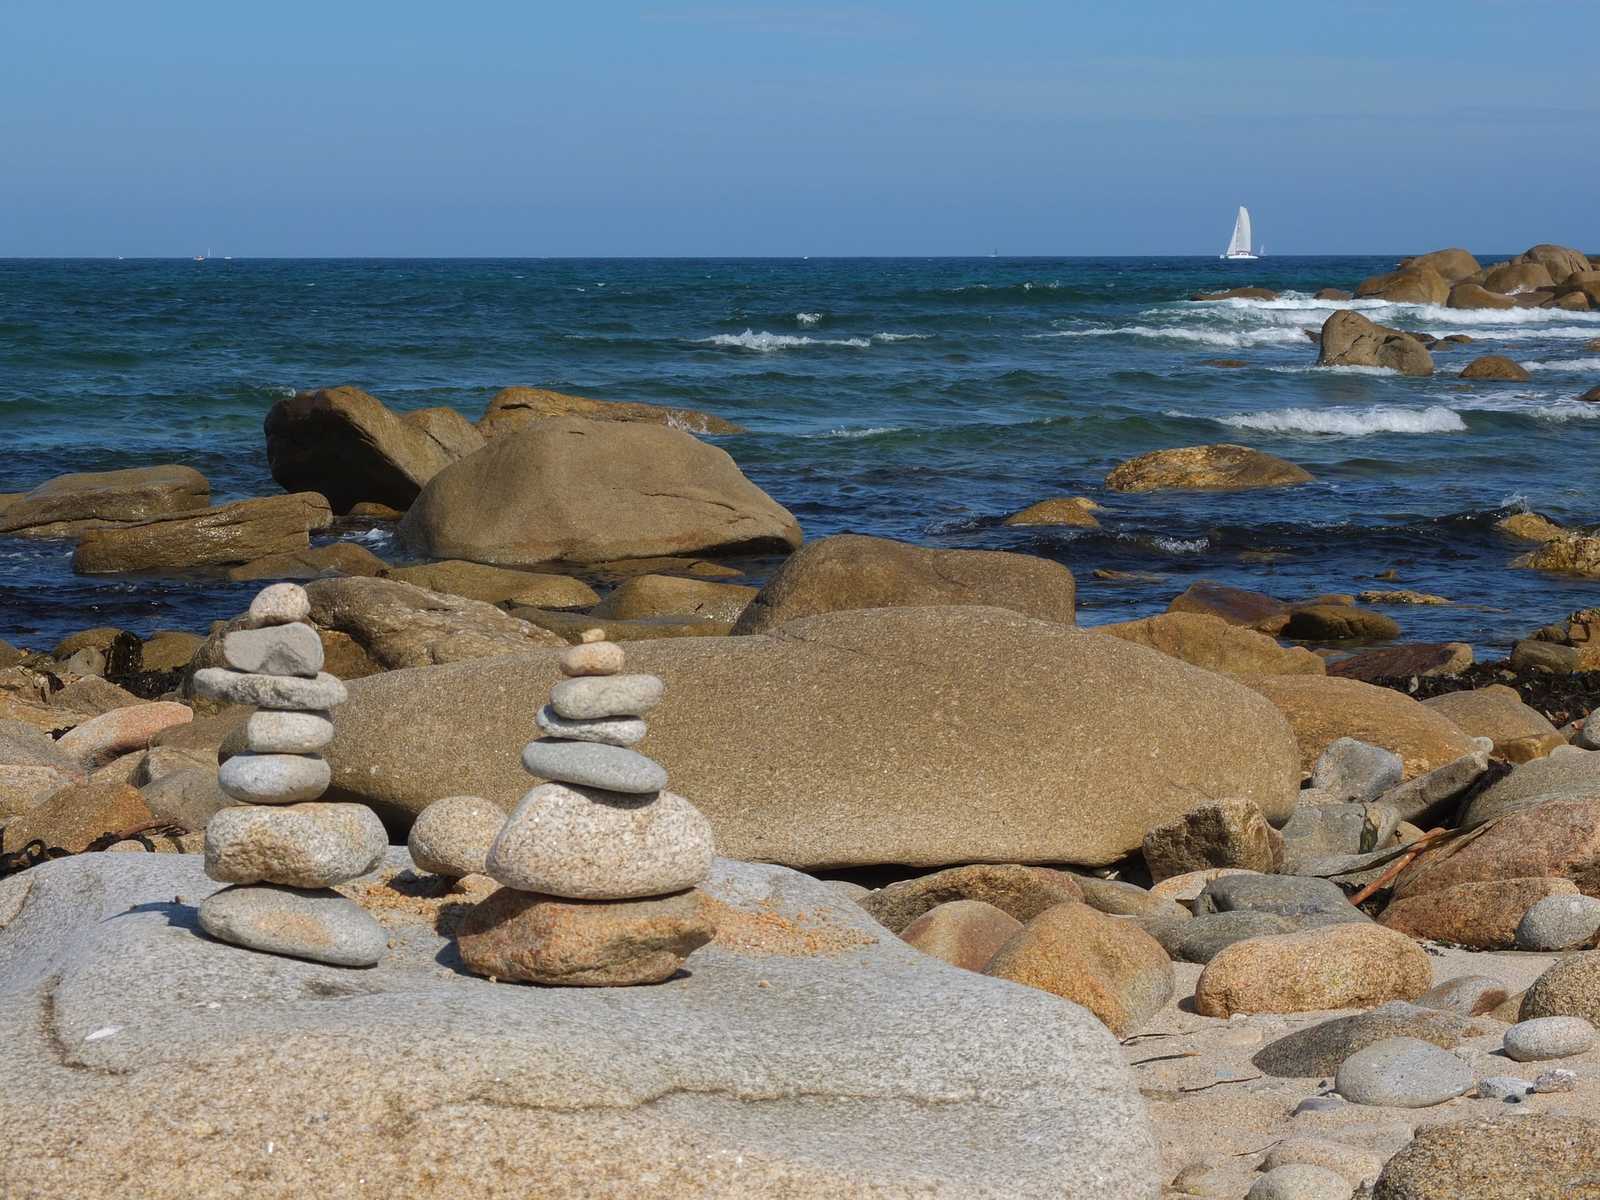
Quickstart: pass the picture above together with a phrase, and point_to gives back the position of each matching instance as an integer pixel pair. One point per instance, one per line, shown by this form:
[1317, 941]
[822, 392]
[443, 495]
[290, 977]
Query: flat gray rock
[593, 764]
[268, 732]
[1426, 796]
[1402, 1072]
[1319, 1049]
[587, 844]
[862, 1068]
[1354, 771]
[322, 926]
[1548, 1037]
[1559, 923]
[1286, 895]
[293, 649]
[270, 691]
[1202, 938]
[593, 696]
[1504, 1087]
[273, 778]
[296, 845]
[613, 731]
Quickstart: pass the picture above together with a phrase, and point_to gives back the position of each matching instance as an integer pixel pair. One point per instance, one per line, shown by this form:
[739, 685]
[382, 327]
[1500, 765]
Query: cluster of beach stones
[282, 851]
[598, 867]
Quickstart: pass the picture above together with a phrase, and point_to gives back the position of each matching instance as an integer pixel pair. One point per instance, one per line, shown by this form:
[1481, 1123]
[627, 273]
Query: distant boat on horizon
[1239, 244]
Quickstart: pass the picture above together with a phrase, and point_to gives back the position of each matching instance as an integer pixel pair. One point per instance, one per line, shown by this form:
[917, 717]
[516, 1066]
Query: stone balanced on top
[282, 852]
[598, 866]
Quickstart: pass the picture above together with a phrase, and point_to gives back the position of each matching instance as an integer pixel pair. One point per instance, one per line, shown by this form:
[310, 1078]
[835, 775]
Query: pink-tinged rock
[1479, 916]
[25, 786]
[1560, 838]
[100, 739]
[965, 933]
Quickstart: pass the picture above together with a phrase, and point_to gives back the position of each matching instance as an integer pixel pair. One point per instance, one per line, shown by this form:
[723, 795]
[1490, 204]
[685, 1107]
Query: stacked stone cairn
[598, 867]
[282, 851]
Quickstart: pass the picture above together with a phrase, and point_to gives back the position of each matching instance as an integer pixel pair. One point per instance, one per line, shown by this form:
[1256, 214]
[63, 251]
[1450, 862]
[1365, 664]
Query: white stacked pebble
[598, 864]
[281, 851]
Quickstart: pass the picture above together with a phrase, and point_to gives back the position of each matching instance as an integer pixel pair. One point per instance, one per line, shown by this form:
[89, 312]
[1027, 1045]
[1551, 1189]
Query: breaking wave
[766, 343]
[1275, 336]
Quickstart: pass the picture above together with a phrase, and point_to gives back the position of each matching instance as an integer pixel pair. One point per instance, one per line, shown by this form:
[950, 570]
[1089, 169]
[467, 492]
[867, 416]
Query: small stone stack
[599, 865]
[283, 852]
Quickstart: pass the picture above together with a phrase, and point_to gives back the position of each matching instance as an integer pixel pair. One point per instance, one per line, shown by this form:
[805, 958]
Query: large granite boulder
[1323, 709]
[850, 571]
[1214, 644]
[1558, 261]
[1561, 777]
[572, 490]
[1474, 295]
[1218, 468]
[1497, 367]
[1573, 554]
[497, 585]
[1417, 283]
[1236, 606]
[69, 504]
[1519, 733]
[240, 532]
[1550, 1156]
[1351, 340]
[923, 736]
[448, 429]
[1559, 839]
[1453, 265]
[349, 446]
[806, 1053]
[515, 408]
[1517, 277]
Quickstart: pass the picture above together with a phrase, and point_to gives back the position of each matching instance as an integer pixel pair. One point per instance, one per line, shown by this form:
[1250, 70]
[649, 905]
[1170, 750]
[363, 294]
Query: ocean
[921, 399]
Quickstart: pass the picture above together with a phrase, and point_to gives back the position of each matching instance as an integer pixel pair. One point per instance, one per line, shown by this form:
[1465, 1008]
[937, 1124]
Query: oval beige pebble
[279, 604]
[320, 925]
[274, 778]
[1354, 965]
[297, 845]
[585, 844]
[269, 732]
[593, 658]
[100, 739]
[452, 836]
[1548, 1037]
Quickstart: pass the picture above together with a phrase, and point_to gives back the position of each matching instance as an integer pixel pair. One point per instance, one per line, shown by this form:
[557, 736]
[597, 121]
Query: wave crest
[1351, 422]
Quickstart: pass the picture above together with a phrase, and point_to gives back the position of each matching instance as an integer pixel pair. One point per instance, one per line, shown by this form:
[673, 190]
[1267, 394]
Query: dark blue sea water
[915, 398]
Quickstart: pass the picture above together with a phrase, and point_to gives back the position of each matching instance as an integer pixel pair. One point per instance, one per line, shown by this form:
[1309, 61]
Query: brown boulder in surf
[1222, 467]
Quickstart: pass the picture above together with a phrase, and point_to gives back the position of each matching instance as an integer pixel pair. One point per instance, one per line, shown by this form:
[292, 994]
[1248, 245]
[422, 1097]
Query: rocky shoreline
[1251, 897]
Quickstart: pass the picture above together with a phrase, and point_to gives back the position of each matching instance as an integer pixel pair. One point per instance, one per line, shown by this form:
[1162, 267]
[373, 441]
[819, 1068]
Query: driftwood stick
[1413, 852]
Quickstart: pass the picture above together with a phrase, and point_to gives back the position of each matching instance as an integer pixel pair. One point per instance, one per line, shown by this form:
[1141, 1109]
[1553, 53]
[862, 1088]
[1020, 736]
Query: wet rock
[1236, 606]
[1350, 340]
[230, 533]
[1222, 467]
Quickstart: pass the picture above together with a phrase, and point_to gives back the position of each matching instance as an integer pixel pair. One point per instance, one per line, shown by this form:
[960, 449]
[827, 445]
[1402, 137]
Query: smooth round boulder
[1018, 891]
[570, 490]
[1548, 1037]
[1300, 1181]
[587, 844]
[1570, 988]
[1559, 923]
[917, 736]
[274, 778]
[1495, 366]
[964, 933]
[1107, 964]
[1323, 709]
[322, 926]
[1403, 1072]
[452, 836]
[1345, 965]
[298, 845]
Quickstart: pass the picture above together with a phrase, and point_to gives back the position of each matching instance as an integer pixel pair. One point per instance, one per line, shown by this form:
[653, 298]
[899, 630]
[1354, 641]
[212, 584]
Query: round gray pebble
[274, 778]
[272, 691]
[1558, 923]
[279, 604]
[586, 844]
[296, 845]
[1402, 1072]
[320, 925]
[612, 731]
[268, 732]
[452, 836]
[606, 696]
[1548, 1037]
[593, 764]
[1300, 1181]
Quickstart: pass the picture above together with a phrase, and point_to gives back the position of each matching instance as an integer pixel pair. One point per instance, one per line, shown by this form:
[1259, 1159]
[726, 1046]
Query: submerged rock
[1218, 468]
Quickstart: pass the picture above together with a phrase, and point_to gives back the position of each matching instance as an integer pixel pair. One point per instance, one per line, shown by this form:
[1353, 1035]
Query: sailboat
[1239, 244]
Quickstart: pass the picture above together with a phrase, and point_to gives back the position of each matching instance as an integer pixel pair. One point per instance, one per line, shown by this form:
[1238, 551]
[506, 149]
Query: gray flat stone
[1351, 770]
[293, 649]
[270, 691]
[1318, 1050]
[1504, 1087]
[587, 844]
[322, 926]
[274, 778]
[1559, 923]
[612, 731]
[593, 764]
[1202, 938]
[452, 836]
[1402, 1072]
[606, 696]
[269, 732]
[1286, 895]
[1549, 1037]
[1427, 796]
[858, 1068]
[279, 604]
[296, 845]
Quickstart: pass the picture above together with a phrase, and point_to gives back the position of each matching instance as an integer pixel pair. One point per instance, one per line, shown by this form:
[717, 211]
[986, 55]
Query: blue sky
[732, 129]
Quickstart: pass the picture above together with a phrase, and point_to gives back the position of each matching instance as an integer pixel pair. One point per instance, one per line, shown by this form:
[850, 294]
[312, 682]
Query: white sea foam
[901, 337]
[1275, 336]
[1180, 545]
[1311, 368]
[1563, 364]
[1351, 422]
[808, 318]
[767, 343]
[869, 431]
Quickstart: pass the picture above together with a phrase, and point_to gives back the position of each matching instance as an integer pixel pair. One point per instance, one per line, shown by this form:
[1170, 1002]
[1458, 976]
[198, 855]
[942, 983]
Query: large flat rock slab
[806, 1052]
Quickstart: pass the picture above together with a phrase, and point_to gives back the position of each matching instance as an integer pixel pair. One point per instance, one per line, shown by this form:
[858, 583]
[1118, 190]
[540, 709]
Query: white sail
[1240, 244]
